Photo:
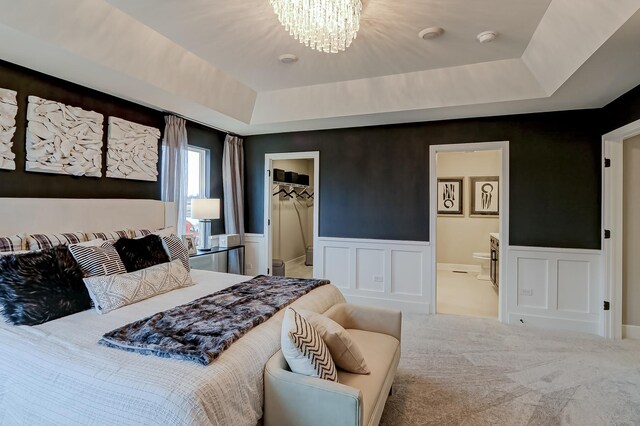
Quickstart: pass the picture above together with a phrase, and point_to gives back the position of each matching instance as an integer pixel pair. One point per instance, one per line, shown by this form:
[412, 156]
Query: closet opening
[468, 228]
[291, 213]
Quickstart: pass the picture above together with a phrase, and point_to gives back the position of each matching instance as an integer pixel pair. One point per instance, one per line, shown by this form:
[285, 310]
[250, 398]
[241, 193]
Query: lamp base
[205, 241]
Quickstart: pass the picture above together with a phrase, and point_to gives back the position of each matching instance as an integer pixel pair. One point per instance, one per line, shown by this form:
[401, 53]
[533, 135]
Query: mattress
[56, 373]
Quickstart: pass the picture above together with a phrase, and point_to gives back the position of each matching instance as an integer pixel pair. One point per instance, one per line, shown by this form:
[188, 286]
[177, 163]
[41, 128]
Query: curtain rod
[203, 124]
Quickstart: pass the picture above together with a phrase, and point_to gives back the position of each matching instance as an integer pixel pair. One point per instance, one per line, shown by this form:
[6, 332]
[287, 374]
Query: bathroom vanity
[494, 268]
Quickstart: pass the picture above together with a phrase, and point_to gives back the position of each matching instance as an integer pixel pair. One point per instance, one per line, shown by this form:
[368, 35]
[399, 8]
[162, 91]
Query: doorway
[468, 228]
[291, 213]
[621, 149]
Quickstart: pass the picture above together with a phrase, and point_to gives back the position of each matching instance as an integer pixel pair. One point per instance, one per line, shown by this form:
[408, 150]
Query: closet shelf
[294, 185]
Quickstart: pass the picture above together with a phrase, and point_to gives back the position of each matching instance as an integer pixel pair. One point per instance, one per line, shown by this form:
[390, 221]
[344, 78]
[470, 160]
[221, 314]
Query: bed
[56, 373]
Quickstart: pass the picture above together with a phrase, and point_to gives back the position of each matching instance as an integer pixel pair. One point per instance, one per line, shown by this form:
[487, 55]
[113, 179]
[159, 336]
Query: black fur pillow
[141, 253]
[41, 286]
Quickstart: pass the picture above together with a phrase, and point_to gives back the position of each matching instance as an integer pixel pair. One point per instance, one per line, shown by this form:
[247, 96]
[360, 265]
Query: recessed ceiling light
[288, 58]
[487, 36]
[431, 32]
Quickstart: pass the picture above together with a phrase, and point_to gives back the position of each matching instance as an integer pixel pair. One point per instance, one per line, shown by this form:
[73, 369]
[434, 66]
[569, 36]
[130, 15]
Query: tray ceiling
[216, 61]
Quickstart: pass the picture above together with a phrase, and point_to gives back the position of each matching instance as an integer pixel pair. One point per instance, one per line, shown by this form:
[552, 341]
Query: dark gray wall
[375, 180]
[20, 183]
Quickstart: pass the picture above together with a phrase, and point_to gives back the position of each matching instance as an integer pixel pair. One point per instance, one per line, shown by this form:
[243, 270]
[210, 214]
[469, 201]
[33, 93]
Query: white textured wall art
[8, 111]
[63, 139]
[132, 150]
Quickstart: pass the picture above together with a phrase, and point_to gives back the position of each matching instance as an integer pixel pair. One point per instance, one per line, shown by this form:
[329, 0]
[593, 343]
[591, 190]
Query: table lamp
[205, 210]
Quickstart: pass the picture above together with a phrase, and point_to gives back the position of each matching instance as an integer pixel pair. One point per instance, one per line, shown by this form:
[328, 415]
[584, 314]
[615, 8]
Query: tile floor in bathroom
[464, 294]
[297, 269]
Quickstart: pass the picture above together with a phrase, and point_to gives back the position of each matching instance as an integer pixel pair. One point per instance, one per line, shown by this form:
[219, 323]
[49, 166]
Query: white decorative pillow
[138, 233]
[115, 291]
[166, 232]
[303, 348]
[13, 243]
[344, 351]
[107, 236]
[47, 241]
[176, 250]
[98, 261]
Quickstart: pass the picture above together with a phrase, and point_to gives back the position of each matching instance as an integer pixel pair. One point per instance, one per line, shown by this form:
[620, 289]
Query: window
[197, 183]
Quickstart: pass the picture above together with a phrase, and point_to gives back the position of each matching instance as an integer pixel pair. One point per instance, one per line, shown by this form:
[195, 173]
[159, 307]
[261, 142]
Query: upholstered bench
[356, 400]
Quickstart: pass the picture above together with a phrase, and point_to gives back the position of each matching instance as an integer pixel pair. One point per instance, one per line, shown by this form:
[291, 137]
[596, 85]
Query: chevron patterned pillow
[303, 348]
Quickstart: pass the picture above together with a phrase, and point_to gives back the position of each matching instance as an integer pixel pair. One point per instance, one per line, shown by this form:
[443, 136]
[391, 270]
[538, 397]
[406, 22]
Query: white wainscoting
[255, 263]
[555, 288]
[393, 274]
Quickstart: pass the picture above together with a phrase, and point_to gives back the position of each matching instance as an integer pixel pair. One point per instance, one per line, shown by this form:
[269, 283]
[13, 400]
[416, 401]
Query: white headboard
[55, 215]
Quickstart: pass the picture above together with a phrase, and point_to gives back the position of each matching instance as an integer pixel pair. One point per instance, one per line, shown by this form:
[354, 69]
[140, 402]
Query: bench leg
[391, 390]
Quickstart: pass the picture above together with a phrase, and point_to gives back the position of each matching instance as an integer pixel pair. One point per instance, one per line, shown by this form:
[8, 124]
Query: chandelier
[324, 25]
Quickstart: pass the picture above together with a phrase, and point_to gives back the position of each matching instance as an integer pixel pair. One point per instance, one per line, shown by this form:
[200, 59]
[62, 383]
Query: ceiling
[216, 61]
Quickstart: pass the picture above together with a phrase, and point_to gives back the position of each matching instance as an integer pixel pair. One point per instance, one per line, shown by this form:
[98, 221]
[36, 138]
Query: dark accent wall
[19, 183]
[622, 111]
[375, 180]
[213, 140]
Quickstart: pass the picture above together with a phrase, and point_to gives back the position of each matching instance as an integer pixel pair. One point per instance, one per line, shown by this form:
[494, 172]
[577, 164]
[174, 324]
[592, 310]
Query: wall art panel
[63, 139]
[132, 150]
[8, 111]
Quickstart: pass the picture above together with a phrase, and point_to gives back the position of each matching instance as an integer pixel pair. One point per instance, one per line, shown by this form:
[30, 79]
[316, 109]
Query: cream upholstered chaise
[357, 399]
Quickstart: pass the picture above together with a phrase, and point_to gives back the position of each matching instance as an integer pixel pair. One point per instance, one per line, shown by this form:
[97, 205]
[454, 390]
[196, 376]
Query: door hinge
[607, 234]
[606, 305]
[268, 222]
[607, 162]
[269, 173]
[268, 271]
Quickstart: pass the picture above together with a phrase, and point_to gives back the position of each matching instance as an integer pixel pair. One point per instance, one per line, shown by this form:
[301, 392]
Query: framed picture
[190, 244]
[450, 196]
[484, 196]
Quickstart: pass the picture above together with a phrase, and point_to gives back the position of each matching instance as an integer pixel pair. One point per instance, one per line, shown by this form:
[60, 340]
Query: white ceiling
[215, 61]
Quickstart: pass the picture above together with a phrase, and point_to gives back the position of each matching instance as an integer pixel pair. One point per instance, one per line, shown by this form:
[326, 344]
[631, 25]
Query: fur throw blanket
[201, 330]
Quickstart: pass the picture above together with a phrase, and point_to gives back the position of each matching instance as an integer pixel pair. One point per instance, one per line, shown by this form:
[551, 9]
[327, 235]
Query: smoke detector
[431, 32]
[487, 36]
[288, 58]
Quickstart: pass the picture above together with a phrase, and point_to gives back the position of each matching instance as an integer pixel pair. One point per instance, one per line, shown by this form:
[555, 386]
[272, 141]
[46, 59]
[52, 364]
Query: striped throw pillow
[13, 243]
[137, 233]
[47, 241]
[303, 348]
[107, 236]
[98, 261]
[177, 250]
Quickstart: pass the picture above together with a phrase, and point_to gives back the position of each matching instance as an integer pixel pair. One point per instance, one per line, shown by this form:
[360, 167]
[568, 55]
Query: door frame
[503, 147]
[612, 198]
[268, 199]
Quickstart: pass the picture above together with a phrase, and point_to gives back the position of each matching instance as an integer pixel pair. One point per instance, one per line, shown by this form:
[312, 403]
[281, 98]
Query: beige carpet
[474, 371]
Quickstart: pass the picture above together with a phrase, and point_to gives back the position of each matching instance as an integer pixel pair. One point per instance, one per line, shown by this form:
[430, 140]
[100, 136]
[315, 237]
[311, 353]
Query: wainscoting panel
[255, 256]
[378, 272]
[554, 287]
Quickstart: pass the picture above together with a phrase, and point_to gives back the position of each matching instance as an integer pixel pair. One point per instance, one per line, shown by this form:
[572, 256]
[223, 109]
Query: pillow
[107, 236]
[344, 351]
[141, 253]
[176, 250]
[166, 232]
[137, 233]
[303, 348]
[91, 243]
[115, 291]
[45, 241]
[13, 243]
[95, 261]
[41, 286]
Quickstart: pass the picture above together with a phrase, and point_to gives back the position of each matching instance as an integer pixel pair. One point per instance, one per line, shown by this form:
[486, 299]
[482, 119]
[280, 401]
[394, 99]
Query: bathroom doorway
[467, 228]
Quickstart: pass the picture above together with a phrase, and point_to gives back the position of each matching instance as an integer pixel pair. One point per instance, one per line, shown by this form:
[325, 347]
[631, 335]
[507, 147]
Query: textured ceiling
[215, 61]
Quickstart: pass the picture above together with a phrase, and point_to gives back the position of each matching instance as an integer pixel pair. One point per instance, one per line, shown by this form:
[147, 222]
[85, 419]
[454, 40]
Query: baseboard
[458, 267]
[401, 305]
[554, 323]
[630, 331]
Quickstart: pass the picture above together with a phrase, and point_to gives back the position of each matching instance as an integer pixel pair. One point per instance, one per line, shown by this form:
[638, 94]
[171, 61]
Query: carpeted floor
[473, 371]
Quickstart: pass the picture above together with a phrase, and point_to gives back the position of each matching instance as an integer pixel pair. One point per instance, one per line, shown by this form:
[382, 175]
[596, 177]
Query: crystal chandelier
[325, 25]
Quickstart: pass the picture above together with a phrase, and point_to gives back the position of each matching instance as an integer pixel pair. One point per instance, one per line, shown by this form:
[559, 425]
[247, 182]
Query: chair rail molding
[385, 273]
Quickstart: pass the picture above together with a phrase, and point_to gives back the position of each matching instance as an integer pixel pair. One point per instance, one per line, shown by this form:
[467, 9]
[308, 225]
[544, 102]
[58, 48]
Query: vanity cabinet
[494, 269]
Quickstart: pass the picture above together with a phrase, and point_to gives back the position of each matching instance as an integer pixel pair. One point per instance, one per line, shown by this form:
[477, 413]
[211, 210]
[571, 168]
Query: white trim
[268, 166]
[459, 267]
[405, 306]
[630, 331]
[612, 201]
[373, 241]
[557, 249]
[502, 146]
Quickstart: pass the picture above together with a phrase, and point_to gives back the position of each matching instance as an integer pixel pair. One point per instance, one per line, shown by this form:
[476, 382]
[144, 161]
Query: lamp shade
[205, 208]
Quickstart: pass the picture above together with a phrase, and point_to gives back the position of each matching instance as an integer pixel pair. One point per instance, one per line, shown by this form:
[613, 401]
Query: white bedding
[56, 373]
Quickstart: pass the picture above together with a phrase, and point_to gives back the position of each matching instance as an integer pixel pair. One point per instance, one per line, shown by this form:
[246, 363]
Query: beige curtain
[174, 167]
[233, 185]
